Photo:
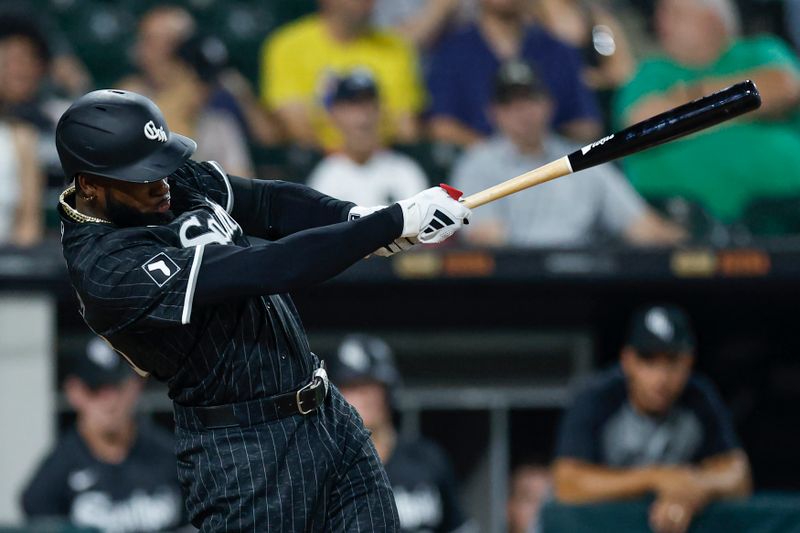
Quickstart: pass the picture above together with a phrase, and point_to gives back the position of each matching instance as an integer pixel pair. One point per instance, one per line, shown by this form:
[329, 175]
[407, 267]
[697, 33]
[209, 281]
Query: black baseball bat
[673, 124]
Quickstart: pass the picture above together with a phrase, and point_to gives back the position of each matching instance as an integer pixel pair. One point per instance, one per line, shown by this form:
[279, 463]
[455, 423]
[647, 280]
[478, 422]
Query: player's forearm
[579, 482]
[276, 209]
[726, 475]
[298, 261]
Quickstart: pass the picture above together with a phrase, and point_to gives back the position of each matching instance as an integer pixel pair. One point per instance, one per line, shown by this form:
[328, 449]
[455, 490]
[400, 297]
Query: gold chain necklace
[73, 213]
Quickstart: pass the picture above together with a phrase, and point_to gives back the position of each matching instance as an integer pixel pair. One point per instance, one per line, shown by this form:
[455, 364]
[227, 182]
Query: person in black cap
[597, 205]
[363, 171]
[422, 479]
[110, 471]
[651, 426]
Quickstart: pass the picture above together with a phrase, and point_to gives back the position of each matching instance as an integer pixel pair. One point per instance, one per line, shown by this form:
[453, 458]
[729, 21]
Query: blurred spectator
[650, 426]
[420, 473]
[161, 30]
[465, 63]
[68, 75]
[363, 171]
[592, 29]
[298, 59]
[184, 99]
[422, 22]
[24, 65]
[22, 181]
[702, 53]
[529, 488]
[25, 55]
[109, 472]
[574, 211]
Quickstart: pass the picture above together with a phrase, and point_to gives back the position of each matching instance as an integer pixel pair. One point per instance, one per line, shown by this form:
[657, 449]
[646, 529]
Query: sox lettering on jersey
[139, 512]
[418, 507]
[221, 228]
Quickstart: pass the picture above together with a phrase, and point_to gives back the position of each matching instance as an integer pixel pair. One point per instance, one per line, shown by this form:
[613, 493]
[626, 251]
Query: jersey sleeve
[576, 434]
[46, 493]
[208, 179]
[719, 435]
[137, 282]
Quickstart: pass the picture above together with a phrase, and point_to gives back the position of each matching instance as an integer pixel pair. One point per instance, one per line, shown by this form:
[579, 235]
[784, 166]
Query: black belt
[302, 401]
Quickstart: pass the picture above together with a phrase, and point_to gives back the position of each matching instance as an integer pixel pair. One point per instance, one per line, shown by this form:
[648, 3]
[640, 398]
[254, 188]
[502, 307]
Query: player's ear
[75, 391]
[627, 359]
[86, 184]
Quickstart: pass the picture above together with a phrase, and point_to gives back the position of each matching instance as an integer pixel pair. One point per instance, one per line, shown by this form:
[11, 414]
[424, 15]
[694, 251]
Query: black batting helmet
[363, 358]
[120, 135]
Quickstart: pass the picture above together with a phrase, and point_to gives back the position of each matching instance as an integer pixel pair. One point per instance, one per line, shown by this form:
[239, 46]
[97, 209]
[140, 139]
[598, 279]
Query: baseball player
[111, 471]
[420, 473]
[157, 250]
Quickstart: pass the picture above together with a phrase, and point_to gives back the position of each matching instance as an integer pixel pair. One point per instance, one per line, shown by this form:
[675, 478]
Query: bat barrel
[673, 124]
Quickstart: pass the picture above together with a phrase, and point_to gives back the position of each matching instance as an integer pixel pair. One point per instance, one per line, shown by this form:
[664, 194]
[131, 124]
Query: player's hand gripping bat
[670, 125]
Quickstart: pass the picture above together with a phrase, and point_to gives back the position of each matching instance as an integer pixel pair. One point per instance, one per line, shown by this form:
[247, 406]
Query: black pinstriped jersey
[136, 289]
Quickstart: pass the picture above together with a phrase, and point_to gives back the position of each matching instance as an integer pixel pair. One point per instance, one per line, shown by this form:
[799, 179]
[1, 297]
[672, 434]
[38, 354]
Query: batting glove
[398, 245]
[433, 215]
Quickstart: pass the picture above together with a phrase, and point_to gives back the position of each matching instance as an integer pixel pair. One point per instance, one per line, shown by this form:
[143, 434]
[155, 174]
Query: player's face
[135, 204]
[359, 122]
[107, 410]
[656, 382]
[371, 402]
[524, 119]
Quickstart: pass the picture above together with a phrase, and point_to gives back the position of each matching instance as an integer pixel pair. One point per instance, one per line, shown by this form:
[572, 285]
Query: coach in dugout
[111, 472]
[651, 426]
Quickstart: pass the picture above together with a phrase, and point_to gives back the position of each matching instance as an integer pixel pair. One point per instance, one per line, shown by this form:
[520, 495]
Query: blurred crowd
[372, 100]
[647, 426]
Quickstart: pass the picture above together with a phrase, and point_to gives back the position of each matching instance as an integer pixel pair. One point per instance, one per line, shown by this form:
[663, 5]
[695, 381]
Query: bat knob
[454, 193]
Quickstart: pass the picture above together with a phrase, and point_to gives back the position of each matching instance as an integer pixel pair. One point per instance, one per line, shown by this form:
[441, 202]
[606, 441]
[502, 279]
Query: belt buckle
[320, 377]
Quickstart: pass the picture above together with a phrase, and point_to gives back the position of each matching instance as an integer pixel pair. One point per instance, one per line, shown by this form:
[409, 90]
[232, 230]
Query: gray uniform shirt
[571, 211]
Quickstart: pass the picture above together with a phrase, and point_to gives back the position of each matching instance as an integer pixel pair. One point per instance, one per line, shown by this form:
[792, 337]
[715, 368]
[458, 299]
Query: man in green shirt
[727, 167]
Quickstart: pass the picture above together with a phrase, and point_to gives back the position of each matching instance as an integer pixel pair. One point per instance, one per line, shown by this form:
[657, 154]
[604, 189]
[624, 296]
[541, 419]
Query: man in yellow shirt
[299, 60]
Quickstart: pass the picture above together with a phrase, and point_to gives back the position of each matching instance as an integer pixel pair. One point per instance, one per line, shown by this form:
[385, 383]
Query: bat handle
[454, 193]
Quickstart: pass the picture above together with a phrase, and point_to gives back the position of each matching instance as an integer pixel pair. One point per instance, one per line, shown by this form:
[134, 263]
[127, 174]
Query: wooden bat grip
[550, 171]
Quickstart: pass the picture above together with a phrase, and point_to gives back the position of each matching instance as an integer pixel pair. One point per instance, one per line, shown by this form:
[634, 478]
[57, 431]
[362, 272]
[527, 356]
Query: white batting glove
[398, 245]
[433, 215]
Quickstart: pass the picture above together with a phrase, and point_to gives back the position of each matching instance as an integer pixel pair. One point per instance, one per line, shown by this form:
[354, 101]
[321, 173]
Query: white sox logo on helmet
[155, 133]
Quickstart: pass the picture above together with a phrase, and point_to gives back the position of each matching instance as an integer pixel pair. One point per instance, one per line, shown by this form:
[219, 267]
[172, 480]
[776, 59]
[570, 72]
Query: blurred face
[686, 28]
[504, 8]
[130, 204]
[21, 69]
[524, 120]
[359, 122]
[655, 383]
[356, 12]
[107, 410]
[529, 488]
[159, 34]
[371, 401]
